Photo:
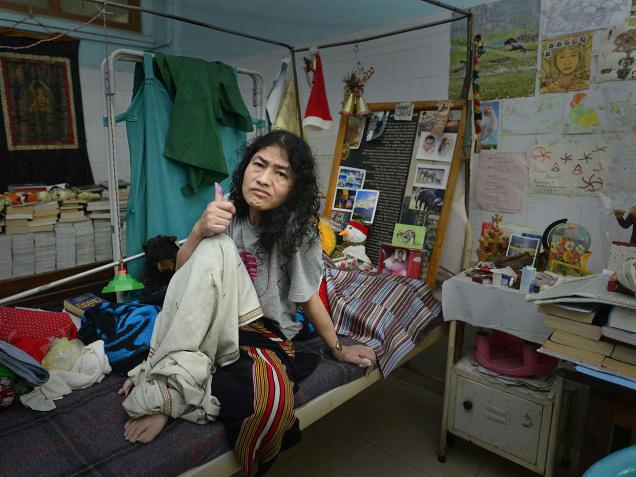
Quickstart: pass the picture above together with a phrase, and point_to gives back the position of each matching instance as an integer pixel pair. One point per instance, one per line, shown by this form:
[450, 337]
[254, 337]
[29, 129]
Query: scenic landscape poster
[510, 33]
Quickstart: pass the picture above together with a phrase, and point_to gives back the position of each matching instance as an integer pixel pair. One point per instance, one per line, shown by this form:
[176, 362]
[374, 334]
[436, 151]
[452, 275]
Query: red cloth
[33, 330]
[322, 293]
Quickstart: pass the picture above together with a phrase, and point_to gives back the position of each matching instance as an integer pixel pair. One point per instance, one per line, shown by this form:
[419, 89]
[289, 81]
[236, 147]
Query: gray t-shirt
[279, 288]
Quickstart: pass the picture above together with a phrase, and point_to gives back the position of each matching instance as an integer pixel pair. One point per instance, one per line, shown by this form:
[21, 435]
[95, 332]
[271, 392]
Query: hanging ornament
[354, 104]
[478, 49]
[317, 115]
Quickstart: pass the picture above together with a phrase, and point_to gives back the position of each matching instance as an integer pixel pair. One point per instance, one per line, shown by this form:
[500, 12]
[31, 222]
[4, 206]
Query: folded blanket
[22, 364]
[126, 330]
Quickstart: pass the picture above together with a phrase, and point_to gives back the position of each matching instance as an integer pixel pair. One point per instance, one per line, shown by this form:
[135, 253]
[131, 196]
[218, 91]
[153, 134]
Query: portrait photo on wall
[565, 63]
[351, 178]
[42, 137]
[489, 123]
[431, 175]
[345, 199]
[377, 123]
[366, 205]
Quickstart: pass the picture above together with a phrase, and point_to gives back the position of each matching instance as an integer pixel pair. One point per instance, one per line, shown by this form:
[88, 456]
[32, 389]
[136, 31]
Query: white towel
[89, 368]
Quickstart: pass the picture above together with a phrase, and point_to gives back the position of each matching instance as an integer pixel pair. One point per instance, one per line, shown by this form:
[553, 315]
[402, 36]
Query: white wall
[412, 66]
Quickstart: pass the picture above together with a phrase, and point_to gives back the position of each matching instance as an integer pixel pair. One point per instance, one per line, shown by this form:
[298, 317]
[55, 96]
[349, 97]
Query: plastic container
[511, 356]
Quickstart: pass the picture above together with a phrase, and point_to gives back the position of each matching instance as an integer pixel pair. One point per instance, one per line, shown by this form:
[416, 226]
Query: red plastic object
[511, 356]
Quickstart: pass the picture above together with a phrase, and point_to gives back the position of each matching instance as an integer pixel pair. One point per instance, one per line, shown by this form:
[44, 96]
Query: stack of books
[23, 251]
[64, 246]
[103, 240]
[44, 216]
[17, 218]
[84, 242]
[98, 210]
[577, 333]
[594, 334]
[44, 252]
[6, 257]
[72, 211]
[621, 328]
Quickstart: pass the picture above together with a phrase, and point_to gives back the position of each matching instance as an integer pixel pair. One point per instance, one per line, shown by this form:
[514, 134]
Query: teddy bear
[161, 258]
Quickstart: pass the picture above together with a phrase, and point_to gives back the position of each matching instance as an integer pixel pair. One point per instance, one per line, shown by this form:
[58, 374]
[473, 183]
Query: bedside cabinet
[513, 421]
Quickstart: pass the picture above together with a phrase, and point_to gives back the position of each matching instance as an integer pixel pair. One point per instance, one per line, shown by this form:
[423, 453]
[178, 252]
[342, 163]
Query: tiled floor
[391, 429]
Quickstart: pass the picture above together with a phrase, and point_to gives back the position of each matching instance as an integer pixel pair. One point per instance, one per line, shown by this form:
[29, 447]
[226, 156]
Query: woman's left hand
[145, 428]
[360, 355]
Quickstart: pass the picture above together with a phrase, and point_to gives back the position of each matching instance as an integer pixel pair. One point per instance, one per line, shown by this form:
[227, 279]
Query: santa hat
[357, 225]
[317, 114]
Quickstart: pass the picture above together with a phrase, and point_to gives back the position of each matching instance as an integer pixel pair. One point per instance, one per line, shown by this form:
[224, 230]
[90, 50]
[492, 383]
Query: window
[79, 11]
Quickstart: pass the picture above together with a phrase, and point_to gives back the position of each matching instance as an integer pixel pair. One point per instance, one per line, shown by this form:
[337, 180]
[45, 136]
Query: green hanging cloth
[205, 95]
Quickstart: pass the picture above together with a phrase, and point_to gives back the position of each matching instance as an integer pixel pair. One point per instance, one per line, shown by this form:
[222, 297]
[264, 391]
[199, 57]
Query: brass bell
[361, 107]
[348, 108]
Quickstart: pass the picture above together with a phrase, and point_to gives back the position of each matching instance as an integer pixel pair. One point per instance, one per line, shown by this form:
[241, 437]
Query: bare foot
[125, 389]
[144, 429]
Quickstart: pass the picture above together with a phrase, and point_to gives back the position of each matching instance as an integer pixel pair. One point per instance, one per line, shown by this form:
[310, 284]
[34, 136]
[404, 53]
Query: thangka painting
[42, 137]
[571, 166]
[37, 102]
[565, 63]
[510, 35]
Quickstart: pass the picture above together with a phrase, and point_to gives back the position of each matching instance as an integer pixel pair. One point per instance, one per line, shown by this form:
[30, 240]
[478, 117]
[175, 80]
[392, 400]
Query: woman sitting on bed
[270, 218]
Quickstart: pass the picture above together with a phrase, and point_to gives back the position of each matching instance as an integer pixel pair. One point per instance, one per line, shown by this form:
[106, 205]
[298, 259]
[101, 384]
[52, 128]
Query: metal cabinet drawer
[502, 420]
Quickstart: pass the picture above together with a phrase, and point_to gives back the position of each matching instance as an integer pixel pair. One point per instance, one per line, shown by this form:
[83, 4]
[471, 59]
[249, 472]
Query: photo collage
[432, 156]
[351, 201]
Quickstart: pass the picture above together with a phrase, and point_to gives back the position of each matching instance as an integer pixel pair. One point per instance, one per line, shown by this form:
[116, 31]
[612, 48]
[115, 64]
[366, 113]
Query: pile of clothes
[43, 356]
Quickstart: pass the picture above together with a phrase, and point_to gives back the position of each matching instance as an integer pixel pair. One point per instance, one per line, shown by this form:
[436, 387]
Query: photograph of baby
[351, 178]
[377, 123]
[432, 176]
[365, 205]
[345, 199]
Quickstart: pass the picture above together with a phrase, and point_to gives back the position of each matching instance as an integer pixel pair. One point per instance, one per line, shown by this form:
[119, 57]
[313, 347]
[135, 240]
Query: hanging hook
[31, 16]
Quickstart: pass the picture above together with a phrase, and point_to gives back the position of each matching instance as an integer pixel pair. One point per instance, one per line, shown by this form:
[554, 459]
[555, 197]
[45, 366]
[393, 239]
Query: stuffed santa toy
[354, 236]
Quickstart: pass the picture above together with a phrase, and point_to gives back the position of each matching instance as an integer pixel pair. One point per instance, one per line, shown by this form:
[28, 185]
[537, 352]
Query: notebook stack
[6, 257]
[84, 242]
[103, 241]
[44, 216]
[23, 251]
[44, 252]
[64, 245]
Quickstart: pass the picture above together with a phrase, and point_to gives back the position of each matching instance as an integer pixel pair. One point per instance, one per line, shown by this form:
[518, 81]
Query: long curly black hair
[296, 219]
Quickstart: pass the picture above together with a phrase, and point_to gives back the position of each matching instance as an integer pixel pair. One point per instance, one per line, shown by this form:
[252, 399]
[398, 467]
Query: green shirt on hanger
[205, 95]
